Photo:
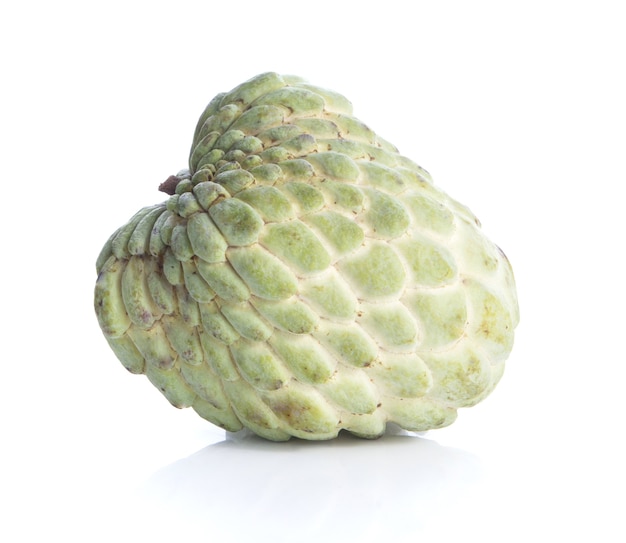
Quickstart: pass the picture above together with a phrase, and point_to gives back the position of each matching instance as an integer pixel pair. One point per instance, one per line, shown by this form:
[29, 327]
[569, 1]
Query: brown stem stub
[169, 185]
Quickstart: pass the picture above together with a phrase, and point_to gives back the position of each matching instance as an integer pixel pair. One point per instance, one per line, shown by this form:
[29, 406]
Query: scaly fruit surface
[304, 277]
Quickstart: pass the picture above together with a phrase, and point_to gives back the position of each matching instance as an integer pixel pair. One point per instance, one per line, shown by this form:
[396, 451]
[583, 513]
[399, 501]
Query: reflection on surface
[348, 485]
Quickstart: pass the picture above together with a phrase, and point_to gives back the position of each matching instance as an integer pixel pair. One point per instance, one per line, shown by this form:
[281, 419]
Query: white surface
[516, 109]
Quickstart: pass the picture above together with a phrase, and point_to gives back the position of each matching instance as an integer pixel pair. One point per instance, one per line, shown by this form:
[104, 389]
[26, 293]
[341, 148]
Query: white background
[516, 108]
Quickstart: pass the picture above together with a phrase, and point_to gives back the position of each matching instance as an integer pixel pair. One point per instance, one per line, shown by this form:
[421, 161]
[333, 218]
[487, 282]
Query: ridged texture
[306, 278]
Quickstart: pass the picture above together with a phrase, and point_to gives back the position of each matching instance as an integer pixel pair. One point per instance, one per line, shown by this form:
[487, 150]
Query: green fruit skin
[305, 278]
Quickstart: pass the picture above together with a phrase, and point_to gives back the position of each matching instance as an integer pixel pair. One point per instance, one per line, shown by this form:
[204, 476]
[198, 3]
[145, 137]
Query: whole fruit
[303, 277]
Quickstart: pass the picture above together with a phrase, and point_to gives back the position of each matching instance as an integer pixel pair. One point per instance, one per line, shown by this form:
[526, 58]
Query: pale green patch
[293, 242]
[334, 165]
[333, 101]
[228, 139]
[262, 272]
[353, 129]
[353, 149]
[461, 375]
[370, 426]
[127, 353]
[156, 245]
[201, 148]
[187, 205]
[349, 343]
[237, 221]
[188, 309]
[211, 158]
[138, 303]
[218, 356]
[429, 214]
[180, 243]
[275, 154]
[329, 296]
[206, 240]
[171, 383]
[205, 383]
[342, 233]
[172, 269]
[232, 160]
[296, 170]
[139, 241]
[301, 145]
[304, 356]
[252, 89]
[250, 145]
[352, 391]
[267, 174]
[343, 195]
[224, 281]
[290, 315]
[269, 202]
[386, 157]
[183, 337]
[375, 271]
[478, 254]
[490, 321]
[246, 321]
[430, 264]
[258, 365]
[206, 192]
[418, 414]
[250, 162]
[278, 134]
[385, 215]
[442, 314]
[390, 324]
[215, 324]
[108, 300]
[258, 118]
[317, 127]
[219, 121]
[308, 197]
[153, 346]
[304, 411]
[159, 287]
[168, 225]
[223, 417]
[416, 177]
[195, 283]
[381, 177]
[251, 410]
[298, 101]
[401, 375]
[234, 180]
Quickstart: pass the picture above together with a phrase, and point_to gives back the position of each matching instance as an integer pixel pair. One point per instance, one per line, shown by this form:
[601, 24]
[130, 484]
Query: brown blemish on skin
[289, 411]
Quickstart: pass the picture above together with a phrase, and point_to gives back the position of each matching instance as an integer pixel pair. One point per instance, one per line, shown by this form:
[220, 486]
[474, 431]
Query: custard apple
[304, 278]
